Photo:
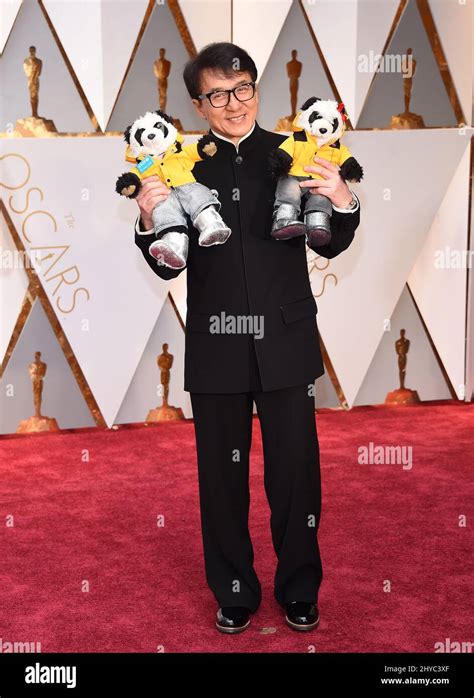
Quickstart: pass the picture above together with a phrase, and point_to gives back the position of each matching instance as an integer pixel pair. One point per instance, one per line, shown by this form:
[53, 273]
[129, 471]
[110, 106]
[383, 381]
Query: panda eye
[158, 125]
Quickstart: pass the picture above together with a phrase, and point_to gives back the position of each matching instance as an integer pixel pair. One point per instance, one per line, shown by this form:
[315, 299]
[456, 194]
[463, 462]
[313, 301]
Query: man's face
[237, 118]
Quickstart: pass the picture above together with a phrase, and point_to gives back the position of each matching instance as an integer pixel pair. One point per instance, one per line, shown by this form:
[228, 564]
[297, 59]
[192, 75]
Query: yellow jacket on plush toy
[174, 168]
[302, 147]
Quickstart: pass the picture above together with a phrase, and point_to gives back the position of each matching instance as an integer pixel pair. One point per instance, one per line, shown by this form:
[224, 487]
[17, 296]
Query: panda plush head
[322, 118]
[151, 134]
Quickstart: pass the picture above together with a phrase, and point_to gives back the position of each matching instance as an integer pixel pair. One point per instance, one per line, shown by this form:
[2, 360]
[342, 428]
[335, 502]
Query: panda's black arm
[278, 163]
[143, 242]
[351, 170]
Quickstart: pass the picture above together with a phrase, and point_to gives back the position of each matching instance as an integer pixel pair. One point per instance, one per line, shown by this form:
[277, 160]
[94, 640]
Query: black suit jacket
[250, 275]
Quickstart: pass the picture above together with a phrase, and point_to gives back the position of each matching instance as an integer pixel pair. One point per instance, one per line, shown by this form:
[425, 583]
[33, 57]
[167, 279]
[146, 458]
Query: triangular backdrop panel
[13, 286]
[429, 96]
[326, 395]
[104, 294]
[454, 24]
[423, 372]
[274, 84]
[140, 89]
[340, 54]
[362, 27]
[374, 21]
[440, 293]
[371, 274]
[59, 99]
[61, 398]
[204, 33]
[98, 38]
[256, 26]
[144, 391]
[8, 13]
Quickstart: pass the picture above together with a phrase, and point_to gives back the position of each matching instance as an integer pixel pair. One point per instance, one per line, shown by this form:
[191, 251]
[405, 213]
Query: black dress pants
[223, 428]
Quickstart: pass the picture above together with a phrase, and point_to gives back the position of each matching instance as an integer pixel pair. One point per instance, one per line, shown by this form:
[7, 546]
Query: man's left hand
[332, 185]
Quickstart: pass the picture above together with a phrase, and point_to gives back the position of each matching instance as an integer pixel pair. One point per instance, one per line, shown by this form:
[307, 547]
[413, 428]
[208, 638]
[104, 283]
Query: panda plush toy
[155, 147]
[317, 128]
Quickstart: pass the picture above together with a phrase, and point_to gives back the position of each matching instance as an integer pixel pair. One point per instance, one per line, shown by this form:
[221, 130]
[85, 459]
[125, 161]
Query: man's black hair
[221, 56]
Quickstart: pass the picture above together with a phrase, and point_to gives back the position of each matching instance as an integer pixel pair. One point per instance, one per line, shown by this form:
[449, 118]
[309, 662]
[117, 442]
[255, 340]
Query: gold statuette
[39, 422]
[162, 69]
[165, 412]
[408, 119]
[293, 70]
[33, 125]
[402, 396]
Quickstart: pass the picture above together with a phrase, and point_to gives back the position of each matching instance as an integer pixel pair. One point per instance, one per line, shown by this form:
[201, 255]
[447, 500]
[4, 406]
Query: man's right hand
[153, 191]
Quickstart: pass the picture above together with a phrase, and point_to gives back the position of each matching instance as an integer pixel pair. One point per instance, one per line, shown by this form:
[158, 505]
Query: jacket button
[239, 159]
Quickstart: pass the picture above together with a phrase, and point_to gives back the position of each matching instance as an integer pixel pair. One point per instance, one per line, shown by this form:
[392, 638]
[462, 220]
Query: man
[252, 276]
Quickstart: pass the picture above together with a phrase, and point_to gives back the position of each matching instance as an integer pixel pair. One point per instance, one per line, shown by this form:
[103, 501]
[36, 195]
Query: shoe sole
[217, 239]
[232, 631]
[304, 628]
[289, 231]
[168, 258]
[318, 237]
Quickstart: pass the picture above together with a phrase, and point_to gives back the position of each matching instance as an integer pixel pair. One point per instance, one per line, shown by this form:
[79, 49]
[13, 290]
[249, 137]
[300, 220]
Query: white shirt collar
[230, 141]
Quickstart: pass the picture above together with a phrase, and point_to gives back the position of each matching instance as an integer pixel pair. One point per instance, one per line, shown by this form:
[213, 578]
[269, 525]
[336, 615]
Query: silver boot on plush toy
[319, 228]
[286, 224]
[211, 227]
[171, 250]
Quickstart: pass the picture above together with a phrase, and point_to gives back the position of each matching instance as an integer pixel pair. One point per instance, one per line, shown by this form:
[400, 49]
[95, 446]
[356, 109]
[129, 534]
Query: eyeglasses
[221, 98]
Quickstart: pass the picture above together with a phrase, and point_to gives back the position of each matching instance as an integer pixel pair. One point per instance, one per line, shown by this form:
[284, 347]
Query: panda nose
[323, 130]
[151, 136]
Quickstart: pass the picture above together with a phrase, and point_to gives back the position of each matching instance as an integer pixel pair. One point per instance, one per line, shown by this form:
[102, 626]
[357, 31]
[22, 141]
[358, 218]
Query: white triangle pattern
[98, 38]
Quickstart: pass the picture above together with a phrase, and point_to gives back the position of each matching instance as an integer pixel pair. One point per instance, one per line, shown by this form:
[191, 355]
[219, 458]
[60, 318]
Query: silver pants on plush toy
[170, 247]
[289, 197]
[288, 191]
[188, 198]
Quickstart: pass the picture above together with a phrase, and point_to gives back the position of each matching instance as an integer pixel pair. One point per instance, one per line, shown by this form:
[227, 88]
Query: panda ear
[165, 117]
[309, 102]
[126, 134]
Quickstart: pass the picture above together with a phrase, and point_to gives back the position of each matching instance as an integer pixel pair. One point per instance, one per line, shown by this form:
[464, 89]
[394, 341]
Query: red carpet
[95, 521]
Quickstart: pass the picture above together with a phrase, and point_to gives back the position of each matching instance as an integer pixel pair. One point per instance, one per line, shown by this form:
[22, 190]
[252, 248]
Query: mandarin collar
[244, 146]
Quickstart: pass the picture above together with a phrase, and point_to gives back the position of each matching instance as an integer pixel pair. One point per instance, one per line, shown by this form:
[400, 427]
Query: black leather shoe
[302, 615]
[233, 619]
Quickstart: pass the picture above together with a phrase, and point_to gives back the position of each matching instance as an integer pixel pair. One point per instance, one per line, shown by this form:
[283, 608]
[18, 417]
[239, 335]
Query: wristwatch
[352, 204]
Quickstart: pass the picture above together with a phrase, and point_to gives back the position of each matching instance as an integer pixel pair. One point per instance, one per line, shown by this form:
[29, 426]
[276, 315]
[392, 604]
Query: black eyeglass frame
[221, 106]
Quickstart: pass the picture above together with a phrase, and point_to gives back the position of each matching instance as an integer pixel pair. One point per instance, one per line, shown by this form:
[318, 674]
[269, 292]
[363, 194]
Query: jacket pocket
[299, 309]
